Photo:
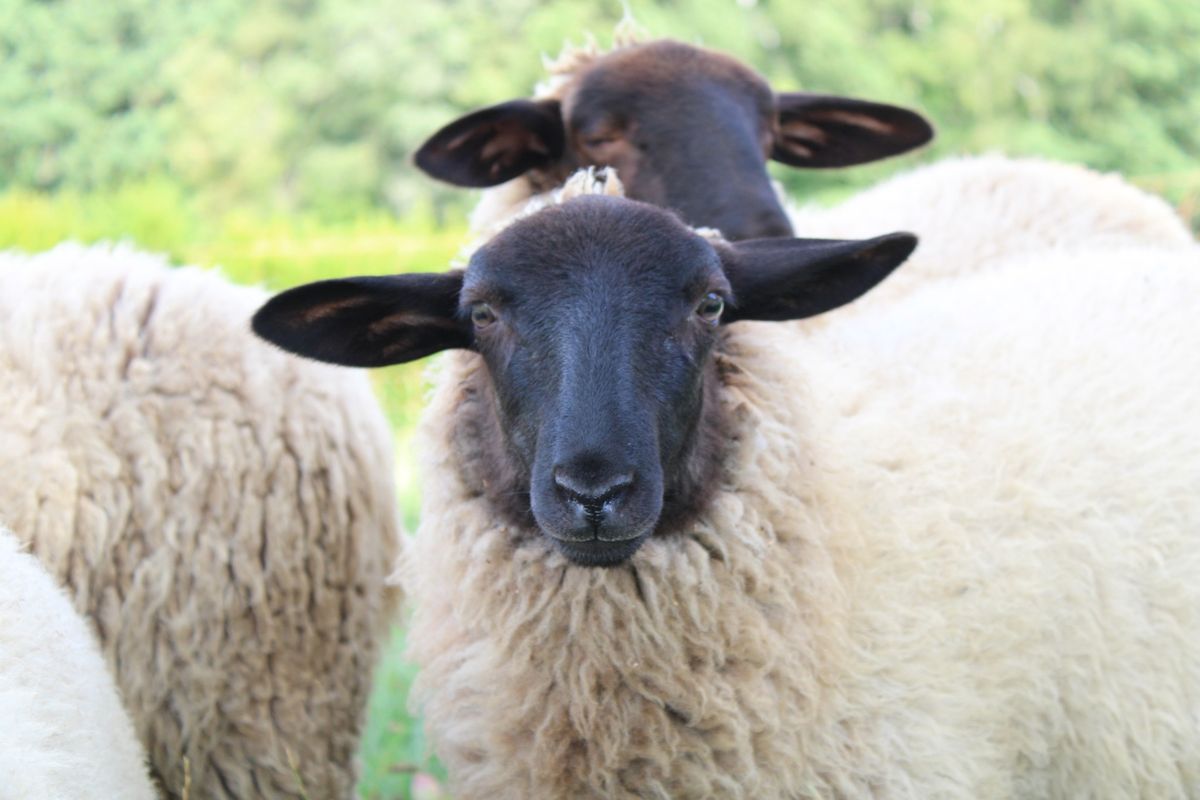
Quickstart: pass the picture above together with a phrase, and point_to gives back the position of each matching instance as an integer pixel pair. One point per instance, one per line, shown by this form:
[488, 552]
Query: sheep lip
[596, 535]
[598, 552]
[600, 534]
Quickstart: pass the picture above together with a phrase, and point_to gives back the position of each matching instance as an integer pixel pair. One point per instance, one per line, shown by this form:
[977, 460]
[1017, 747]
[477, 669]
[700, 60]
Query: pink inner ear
[496, 146]
[857, 120]
[324, 310]
[506, 144]
[459, 141]
[408, 319]
[796, 133]
[391, 323]
[793, 145]
[797, 130]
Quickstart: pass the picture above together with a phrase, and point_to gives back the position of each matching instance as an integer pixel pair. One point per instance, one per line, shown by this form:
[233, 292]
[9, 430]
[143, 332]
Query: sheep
[975, 213]
[223, 515]
[675, 121]
[668, 551]
[65, 735]
[962, 200]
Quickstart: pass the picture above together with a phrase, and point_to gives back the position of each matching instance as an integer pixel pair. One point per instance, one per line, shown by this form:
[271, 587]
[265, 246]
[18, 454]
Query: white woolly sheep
[949, 550]
[65, 735]
[224, 515]
[972, 214]
[686, 128]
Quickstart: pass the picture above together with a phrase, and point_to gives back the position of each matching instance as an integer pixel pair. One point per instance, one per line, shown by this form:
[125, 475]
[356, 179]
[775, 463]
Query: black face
[596, 346]
[596, 320]
[685, 128]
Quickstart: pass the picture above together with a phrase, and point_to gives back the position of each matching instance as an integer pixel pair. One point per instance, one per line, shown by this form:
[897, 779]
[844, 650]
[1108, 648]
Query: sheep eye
[710, 307]
[482, 315]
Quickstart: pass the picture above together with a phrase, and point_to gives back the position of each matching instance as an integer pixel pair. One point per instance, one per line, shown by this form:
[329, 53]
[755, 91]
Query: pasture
[326, 189]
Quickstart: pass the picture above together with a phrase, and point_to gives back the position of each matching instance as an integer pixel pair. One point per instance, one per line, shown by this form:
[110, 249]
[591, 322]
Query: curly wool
[222, 513]
[931, 570]
[65, 735]
[972, 213]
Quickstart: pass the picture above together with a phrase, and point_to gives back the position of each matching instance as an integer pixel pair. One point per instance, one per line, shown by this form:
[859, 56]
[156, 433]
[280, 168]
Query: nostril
[592, 494]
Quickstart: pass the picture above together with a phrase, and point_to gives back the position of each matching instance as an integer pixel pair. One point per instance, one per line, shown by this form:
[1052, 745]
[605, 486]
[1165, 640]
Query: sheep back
[973, 213]
[222, 513]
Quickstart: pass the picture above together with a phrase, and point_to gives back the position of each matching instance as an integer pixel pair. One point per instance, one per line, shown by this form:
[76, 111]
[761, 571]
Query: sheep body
[972, 213]
[65, 735]
[932, 569]
[223, 514]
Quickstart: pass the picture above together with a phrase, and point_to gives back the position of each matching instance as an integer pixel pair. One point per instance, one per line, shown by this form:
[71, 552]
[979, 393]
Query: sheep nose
[593, 495]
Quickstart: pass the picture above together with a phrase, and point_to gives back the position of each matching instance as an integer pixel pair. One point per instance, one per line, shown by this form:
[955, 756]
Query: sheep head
[596, 319]
[686, 128]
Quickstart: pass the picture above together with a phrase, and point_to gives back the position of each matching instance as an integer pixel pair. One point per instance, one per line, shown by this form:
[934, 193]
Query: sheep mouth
[598, 552]
[597, 528]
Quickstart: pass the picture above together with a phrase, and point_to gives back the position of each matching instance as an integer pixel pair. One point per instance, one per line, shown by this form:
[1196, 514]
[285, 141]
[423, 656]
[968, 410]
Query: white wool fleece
[63, 732]
[973, 214]
[223, 513]
[954, 554]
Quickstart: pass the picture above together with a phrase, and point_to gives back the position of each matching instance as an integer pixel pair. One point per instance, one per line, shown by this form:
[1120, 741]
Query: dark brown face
[685, 128]
[596, 320]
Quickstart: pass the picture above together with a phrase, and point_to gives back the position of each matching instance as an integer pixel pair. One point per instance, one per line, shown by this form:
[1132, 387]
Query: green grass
[393, 748]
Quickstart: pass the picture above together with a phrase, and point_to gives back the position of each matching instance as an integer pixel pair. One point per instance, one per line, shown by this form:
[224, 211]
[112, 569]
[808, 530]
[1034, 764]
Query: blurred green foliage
[315, 105]
[272, 137]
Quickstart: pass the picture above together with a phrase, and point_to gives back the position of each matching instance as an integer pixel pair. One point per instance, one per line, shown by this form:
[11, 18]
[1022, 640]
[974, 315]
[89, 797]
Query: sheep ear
[495, 144]
[367, 322]
[827, 131]
[782, 279]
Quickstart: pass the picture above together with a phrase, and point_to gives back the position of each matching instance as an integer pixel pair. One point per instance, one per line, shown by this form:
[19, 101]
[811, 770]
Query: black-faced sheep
[706, 120]
[685, 128]
[948, 552]
[222, 514]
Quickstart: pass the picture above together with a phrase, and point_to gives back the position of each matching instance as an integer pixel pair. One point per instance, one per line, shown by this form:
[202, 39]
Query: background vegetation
[272, 137]
[314, 106]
